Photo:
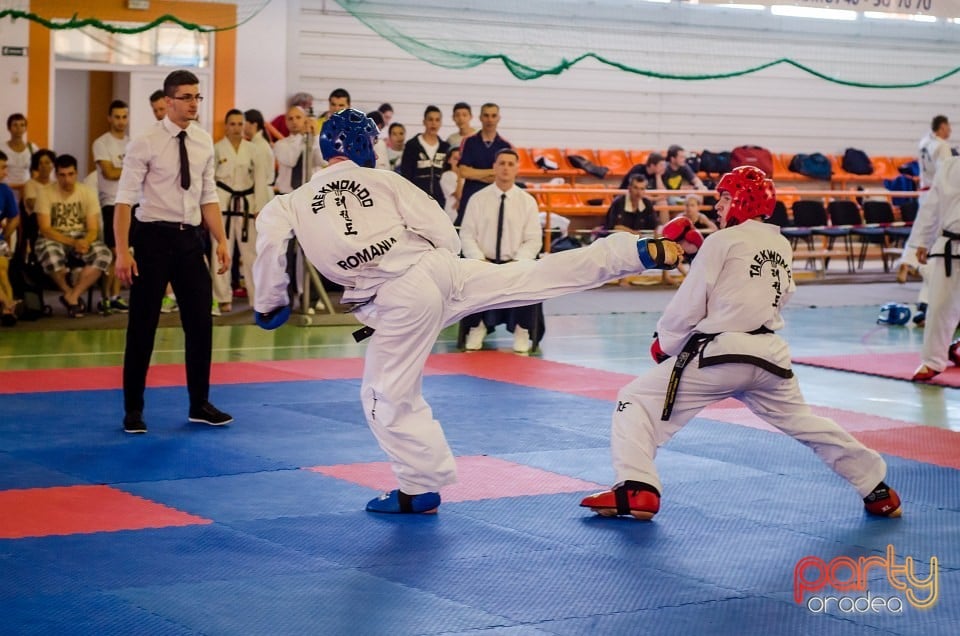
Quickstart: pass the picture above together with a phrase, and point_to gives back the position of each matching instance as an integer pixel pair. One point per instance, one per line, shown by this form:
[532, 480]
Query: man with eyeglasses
[169, 171]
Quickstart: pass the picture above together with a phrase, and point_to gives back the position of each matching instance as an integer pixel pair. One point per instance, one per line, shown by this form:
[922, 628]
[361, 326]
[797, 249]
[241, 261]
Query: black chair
[844, 216]
[812, 214]
[881, 213]
[791, 233]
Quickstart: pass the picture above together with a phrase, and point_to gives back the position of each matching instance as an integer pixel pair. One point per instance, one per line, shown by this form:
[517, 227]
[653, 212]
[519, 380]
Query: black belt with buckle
[171, 225]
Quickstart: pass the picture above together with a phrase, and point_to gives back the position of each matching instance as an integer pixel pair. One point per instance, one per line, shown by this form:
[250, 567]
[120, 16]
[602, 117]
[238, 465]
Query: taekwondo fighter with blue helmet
[396, 253]
[717, 339]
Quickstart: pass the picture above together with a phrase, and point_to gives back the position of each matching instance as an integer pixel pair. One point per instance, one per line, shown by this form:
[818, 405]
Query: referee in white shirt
[169, 171]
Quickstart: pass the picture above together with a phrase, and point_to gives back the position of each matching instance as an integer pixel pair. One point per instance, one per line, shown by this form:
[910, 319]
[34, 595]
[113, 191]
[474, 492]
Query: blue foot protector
[396, 502]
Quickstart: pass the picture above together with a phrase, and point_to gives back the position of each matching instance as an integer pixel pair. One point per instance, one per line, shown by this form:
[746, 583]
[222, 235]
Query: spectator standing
[451, 183]
[254, 132]
[462, 117]
[477, 155]
[158, 104]
[277, 128]
[380, 145]
[19, 152]
[169, 171]
[396, 140]
[239, 178]
[108, 151]
[425, 155]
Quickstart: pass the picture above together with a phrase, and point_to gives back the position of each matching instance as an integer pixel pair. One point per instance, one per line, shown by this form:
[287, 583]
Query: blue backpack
[901, 183]
[815, 166]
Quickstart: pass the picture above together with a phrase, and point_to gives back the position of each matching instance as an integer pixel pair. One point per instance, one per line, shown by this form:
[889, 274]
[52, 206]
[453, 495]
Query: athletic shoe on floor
[924, 373]
[207, 413]
[119, 304]
[475, 338]
[215, 309]
[396, 502]
[521, 340]
[632, 498]
[133, 422]
[883, 502]
[168, 305]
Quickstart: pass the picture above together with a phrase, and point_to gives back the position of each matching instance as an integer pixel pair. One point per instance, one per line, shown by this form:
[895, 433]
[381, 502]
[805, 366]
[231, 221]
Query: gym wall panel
[598, 106]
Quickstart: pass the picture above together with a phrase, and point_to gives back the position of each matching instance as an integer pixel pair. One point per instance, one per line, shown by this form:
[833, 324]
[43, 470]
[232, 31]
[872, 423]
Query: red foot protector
[62, 510]
[480, 477]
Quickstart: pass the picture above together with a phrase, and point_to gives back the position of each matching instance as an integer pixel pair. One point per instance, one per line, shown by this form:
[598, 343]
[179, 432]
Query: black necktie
[184, 161]
[503, 198]
[296, 177]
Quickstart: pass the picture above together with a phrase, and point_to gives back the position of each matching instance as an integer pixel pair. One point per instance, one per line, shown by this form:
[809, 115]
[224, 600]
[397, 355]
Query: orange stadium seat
[557, 157]
[639, 156]
[616, 160]
[526, 165]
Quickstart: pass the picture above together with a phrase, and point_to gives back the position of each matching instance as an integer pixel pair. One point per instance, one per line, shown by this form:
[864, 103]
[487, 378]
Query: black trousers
[526, 317]
[167, 254]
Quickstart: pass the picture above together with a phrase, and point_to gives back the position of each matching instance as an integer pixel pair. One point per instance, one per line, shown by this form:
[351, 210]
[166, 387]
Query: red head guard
[753, 194]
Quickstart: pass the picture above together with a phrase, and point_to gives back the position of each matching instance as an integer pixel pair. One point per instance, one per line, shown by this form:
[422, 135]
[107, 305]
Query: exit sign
[14, 51]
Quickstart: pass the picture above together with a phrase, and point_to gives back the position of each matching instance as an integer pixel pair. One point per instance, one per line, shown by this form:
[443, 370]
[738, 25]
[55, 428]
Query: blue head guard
[351, 134]
[894, 314]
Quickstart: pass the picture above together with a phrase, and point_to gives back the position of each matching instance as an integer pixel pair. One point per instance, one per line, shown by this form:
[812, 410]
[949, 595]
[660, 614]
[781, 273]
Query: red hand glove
[682, 229]
[656, 352]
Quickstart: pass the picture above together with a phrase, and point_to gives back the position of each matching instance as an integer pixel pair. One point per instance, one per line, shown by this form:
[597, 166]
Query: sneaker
[215, 309]
[632, 498]
[475, 338]
[924, 373]
[119, 304]
[396, 502]
[521, 340]
[168, 305]
[104, 308]
[207, 413]
[240, 292]
[133, 422]
[883, 502]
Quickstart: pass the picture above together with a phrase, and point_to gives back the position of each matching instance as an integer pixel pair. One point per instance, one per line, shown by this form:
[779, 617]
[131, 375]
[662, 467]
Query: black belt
[170, 225]
[238, 206]
[694, 346]
[948, 254]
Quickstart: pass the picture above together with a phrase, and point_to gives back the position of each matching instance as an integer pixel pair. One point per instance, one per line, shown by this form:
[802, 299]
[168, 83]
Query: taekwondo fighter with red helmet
[396, 253]
[717, 339]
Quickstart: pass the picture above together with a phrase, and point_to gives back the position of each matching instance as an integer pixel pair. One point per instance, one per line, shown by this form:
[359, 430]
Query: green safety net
[538, 38]
[82, 18]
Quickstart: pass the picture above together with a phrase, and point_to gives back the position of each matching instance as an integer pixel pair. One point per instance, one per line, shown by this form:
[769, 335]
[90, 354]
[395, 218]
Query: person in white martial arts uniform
[933, 151]
[241, 182]
[720, 326]
[936, 235]
[396, 253]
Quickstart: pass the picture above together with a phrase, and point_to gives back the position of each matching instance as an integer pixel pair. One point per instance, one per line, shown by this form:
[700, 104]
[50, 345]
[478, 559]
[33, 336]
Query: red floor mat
[62, 510]
[898, 366]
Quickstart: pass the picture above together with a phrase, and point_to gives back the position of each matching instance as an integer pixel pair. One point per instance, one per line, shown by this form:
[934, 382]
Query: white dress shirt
[151, 174]
[287, 151]
[522, 237]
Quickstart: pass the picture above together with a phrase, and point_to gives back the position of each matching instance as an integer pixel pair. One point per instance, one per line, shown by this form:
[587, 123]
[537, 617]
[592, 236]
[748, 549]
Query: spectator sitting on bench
[69, 217]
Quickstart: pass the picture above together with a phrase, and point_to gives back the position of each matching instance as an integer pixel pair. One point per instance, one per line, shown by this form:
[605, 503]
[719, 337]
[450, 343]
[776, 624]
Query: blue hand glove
[272, 319]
